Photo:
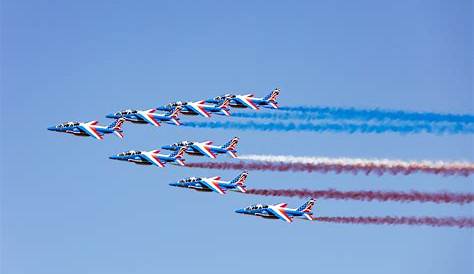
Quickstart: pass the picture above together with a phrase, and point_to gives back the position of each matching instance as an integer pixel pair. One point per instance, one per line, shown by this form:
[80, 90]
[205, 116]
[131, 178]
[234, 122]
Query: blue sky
[66, 208]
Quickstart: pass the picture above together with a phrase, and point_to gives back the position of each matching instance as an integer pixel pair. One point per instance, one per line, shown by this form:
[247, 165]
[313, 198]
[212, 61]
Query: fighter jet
[206, 148]
[249, 101]
[148, 116]
[199, 108]
[90, 128]
[213, 184]
[151, 157]
[280, 211]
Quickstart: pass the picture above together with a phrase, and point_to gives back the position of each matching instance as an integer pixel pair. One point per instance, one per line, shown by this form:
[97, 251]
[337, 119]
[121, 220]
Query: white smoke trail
[355, 161]
[356, 165]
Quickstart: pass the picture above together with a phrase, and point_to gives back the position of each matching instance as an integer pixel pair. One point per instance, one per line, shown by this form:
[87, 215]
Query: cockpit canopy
[68, 124]
[126, 112]
[177, 104]
[183, 144]
[190, 180]
[257, 206]
[225, 96]
[129, 153]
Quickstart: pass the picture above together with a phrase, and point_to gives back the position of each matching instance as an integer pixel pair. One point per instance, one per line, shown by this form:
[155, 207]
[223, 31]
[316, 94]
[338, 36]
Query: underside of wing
[91, 131]
[149, 117]
[246, 101]
[198, 109]
[153, 159]
[213, 185]
[280, 213]
[204, 150]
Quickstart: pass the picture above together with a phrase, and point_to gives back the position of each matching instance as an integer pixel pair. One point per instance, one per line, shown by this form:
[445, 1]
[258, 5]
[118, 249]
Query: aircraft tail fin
[116, 127]
[272, 97]
[307, 207]
[240, 180]
[117, 124]
[173, 115]
[174, 112]
[232, 144]
[179, 153]
[224, 107]
[224, 104]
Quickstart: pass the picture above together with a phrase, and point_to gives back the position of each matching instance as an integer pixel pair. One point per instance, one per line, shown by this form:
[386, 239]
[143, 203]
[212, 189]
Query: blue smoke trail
[280, 115]
[338, 128]
[367, 115]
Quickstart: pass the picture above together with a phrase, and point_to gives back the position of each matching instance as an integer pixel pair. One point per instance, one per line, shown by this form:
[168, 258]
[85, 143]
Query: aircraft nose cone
[52, 128]
[114, 157]
[239, 211]
[113, 116]
[166, 147]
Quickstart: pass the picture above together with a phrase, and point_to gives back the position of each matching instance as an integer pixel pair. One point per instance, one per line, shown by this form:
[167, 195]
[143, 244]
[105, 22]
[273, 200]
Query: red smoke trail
[378, 169]
[413, 196]
[463, 222]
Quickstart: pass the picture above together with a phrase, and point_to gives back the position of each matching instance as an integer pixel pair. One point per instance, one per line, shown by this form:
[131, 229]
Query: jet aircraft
[213, 184]
[199, 108]
[90, 128]
[249, 101]
[206, 148]
[151, 157]
[148, 116]
[280, 211]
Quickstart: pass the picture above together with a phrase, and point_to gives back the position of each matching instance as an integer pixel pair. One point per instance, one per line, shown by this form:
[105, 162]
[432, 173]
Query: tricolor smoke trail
[382, 196]
[336, 113]
[461, 222]
[353, 166]
[340, 127]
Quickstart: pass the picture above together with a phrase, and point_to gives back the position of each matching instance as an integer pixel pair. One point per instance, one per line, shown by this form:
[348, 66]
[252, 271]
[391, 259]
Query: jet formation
[219, 105]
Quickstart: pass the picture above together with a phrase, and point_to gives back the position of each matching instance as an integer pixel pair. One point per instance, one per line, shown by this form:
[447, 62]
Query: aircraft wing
[246, 101]
[149, 118]
[279, 213]
[89, 129]
[153, 159]
[213, 185]
[198, 109]
[204, 150]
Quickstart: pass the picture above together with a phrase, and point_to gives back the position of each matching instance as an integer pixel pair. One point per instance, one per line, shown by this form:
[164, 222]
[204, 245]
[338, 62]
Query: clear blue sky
[66, 208]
